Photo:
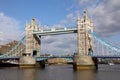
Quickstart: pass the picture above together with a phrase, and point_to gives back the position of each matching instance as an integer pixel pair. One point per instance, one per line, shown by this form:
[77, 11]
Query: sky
[58, 13]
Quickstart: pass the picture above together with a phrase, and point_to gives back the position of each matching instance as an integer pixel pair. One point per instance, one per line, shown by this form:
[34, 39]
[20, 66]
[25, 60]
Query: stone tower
[32, 41]
[85, 40]
[82, 60]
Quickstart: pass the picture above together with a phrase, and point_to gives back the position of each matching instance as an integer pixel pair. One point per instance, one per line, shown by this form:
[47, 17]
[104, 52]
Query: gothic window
[84, 20]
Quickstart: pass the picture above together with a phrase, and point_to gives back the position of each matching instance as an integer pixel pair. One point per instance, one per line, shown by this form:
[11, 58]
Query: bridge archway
[34, 52]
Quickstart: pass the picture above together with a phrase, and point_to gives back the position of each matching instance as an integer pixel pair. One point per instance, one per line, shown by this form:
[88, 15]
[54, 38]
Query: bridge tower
[82, 60]
[32, 41]
[32, 45]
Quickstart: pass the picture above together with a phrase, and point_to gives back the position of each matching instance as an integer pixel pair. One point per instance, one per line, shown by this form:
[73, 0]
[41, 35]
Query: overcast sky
[58, 13]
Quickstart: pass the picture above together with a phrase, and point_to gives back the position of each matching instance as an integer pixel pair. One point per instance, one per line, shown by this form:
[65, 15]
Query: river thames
[60, 72]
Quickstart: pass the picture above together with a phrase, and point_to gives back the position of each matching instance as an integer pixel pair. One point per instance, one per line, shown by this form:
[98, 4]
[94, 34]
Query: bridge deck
[56, 31]
[44, 58]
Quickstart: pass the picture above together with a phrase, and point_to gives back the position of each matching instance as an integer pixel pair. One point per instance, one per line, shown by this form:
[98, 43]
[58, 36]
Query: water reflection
[85, 75]
[58, 73]
[29, 74]
[55, 72]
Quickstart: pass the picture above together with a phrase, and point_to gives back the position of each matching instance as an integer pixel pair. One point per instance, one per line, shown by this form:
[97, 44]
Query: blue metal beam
[105, 56]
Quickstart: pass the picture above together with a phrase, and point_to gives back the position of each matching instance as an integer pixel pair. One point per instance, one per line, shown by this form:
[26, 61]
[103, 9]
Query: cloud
[105, 14]
[69, 21]
[69, 18]
[106, 17]
[10, 29]
[83, 4]
[60, 44]
[86, 2]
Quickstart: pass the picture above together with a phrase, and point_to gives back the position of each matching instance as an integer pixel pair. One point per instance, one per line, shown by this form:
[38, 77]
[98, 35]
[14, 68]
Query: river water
[60, 72]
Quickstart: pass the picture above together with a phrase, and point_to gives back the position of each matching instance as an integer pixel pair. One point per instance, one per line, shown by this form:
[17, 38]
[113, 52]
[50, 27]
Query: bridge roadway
[55, 31]
[38, 58]
[48, 57]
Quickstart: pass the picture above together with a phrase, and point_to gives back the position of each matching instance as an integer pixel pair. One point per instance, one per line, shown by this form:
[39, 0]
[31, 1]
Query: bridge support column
[82, 60]
[41, 64]
[27, 62]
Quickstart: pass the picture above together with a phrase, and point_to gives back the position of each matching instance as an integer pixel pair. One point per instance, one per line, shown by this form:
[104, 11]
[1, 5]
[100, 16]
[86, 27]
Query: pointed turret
[85, 15]
[78, 20]
[33, 21]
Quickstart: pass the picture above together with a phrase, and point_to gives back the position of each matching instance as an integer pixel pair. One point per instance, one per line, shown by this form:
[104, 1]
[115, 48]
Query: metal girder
[55, 31]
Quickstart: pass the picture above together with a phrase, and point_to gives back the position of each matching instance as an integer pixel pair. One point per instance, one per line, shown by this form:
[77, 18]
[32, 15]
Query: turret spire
[85, 15]
[33, 21]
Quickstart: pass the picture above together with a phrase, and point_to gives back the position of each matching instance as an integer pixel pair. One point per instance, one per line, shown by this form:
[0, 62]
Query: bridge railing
[104, 48]
[15, 51]
[57, 29]
[49, 57]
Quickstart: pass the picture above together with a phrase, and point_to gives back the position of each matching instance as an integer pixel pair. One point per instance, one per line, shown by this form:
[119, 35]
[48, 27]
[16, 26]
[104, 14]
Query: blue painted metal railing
[10, 53]
[105, 43]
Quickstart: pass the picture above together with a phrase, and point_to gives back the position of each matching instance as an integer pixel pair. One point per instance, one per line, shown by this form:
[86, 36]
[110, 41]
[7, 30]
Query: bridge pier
[30, 62]
[83, 62]
[27, 61]
[95, 62]
[41, 64]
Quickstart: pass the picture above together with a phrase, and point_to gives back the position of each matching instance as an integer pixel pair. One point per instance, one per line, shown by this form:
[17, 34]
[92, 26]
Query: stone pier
[83, 62]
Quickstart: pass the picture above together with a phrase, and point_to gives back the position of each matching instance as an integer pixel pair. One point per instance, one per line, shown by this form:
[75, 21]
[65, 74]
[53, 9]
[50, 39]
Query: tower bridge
[34, 33]
[88, 43]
